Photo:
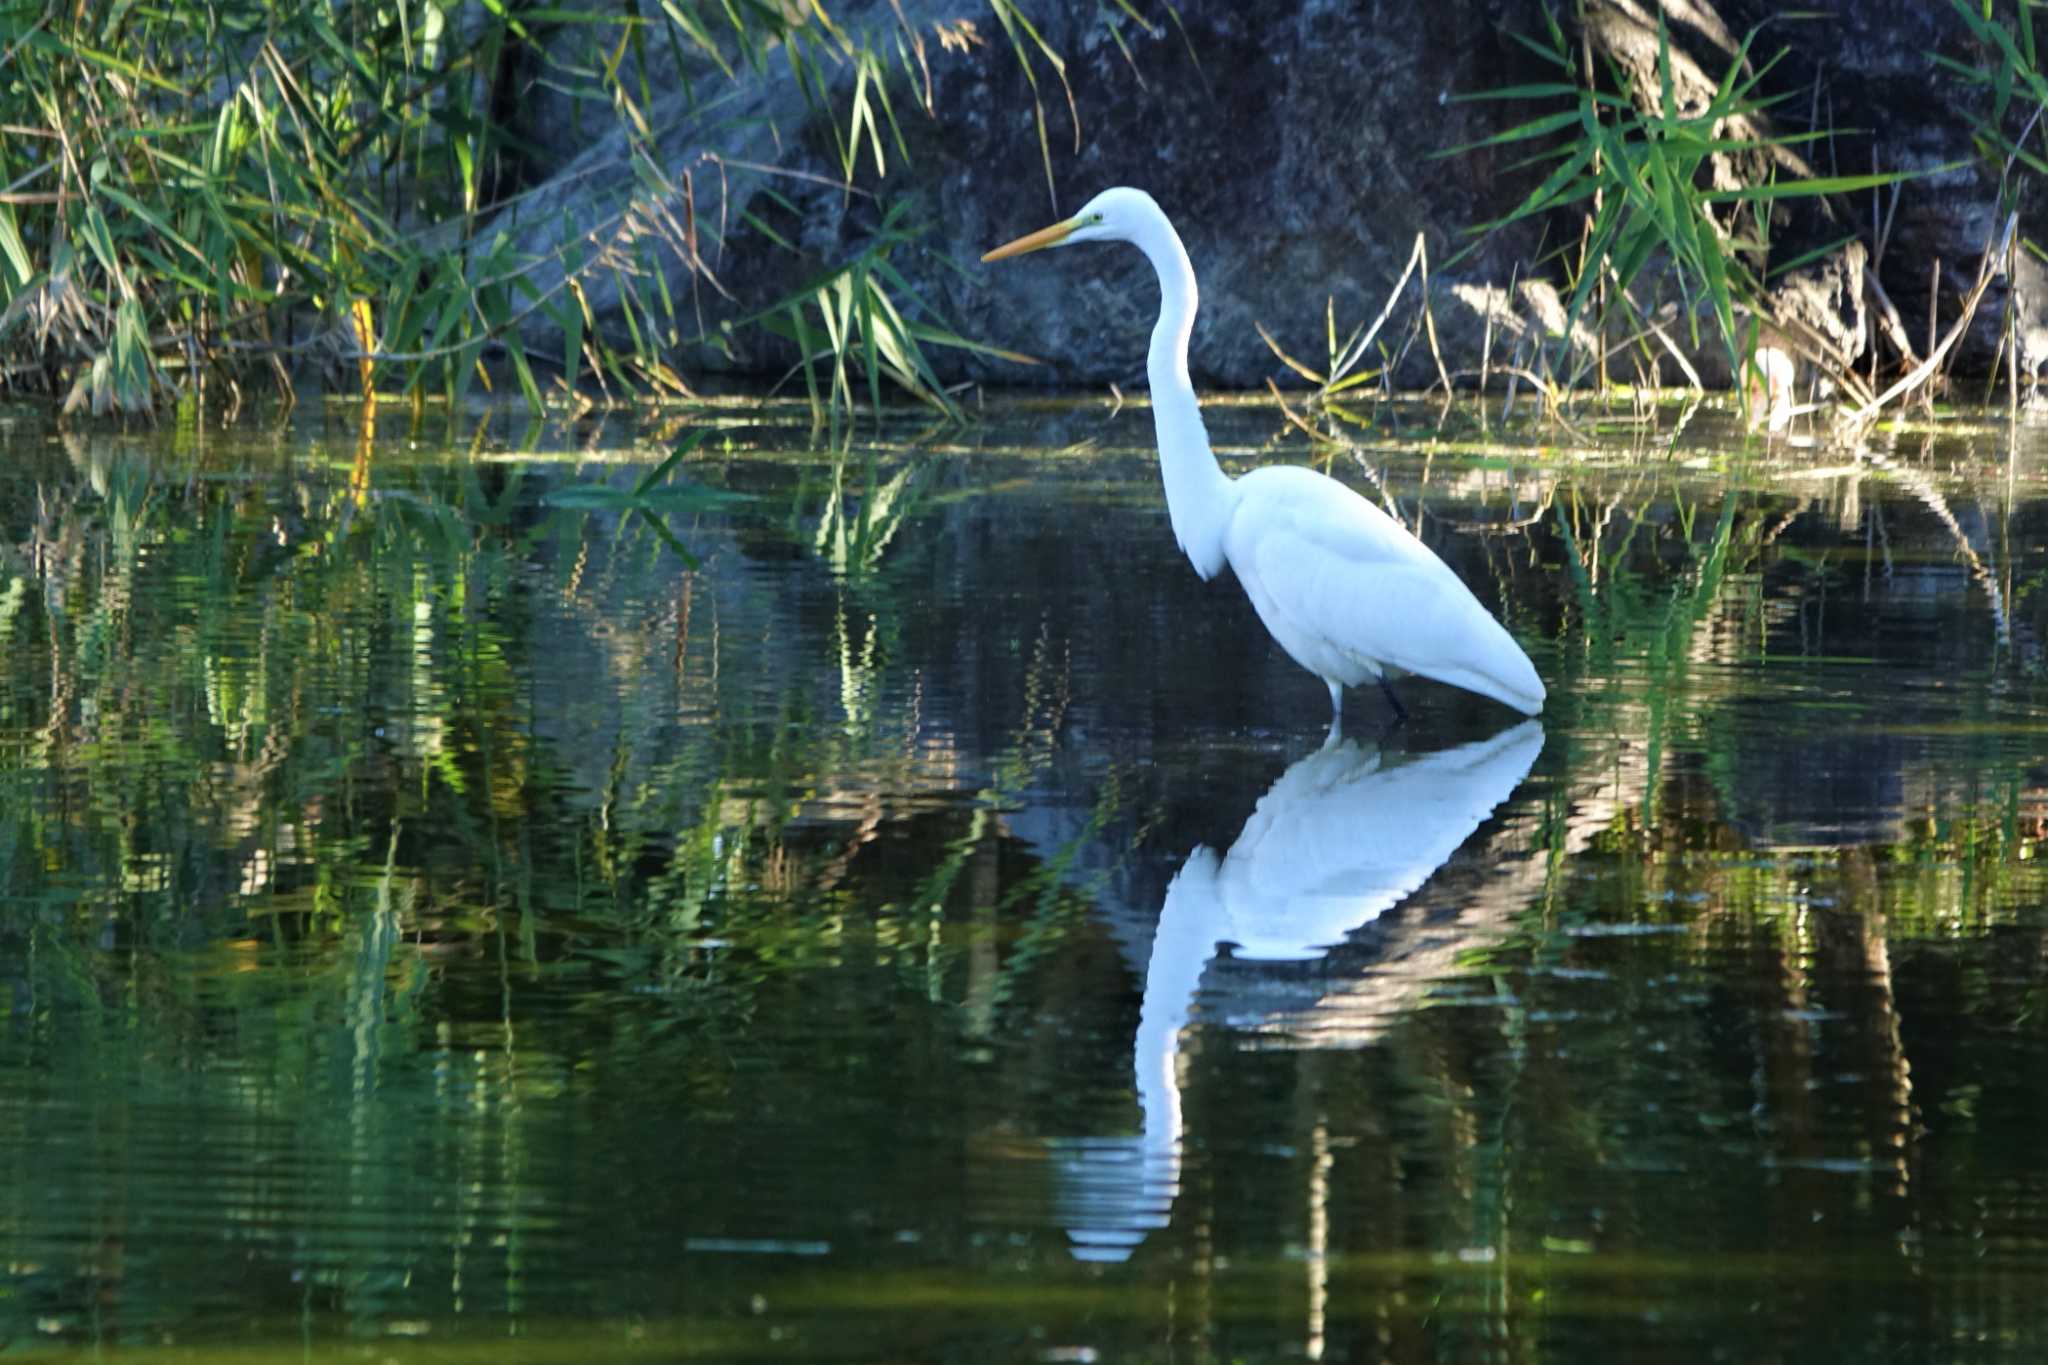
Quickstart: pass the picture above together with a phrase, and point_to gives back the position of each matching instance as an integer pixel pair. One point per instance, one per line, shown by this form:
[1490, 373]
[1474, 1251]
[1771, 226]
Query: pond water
[930, 925]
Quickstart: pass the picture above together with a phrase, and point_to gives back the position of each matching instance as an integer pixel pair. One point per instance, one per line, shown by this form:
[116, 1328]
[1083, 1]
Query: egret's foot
[1393, 700]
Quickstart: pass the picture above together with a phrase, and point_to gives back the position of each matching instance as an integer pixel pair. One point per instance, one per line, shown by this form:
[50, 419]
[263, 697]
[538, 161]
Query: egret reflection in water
[1340, 838]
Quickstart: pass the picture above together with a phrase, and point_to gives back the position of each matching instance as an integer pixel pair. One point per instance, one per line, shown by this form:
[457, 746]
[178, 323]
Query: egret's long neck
[1199, 495]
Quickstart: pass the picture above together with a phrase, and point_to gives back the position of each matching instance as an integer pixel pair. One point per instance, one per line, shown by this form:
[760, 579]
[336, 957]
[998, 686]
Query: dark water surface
[436, 924]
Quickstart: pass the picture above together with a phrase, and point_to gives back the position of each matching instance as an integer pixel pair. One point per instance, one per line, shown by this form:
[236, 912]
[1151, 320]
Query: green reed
[1637, 165]
[195, 195]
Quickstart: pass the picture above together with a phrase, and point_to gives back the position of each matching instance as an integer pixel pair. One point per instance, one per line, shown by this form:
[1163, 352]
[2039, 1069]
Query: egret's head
[1117, 215]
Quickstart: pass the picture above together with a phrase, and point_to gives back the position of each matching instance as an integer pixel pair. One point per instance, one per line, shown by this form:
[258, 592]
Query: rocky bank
[1297, 144]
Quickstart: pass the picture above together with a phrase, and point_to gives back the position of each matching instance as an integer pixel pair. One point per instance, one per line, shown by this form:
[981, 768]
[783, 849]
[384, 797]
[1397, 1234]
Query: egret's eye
[1094, 218]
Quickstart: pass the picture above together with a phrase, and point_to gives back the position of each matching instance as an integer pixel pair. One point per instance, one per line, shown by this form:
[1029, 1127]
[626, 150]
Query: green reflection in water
[440, 915]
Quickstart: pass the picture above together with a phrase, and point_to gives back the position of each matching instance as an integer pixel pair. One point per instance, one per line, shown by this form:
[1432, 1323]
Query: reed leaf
[1647, 167]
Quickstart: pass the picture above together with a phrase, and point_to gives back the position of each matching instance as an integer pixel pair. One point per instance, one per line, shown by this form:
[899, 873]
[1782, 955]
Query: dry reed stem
[1429, 317]
[1986, 272]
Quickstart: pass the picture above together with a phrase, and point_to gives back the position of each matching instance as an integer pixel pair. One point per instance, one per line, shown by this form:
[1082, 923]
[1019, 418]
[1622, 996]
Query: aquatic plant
[2009, 72]
[1341, 375]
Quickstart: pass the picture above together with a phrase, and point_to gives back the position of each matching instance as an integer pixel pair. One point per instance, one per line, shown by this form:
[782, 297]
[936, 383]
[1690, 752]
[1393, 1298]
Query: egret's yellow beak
[1034, 241]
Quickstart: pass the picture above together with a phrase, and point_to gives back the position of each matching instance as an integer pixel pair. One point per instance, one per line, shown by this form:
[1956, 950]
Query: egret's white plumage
[1344, 588]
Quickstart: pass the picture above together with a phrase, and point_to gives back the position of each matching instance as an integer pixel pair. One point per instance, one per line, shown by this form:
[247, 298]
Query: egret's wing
[1288, 497]
[1384, 607]
[1344, 571]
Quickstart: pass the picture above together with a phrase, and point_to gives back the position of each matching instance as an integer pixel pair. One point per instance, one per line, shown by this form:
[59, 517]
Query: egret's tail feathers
[1526, 693]
[1505, 682]
[1528, 703]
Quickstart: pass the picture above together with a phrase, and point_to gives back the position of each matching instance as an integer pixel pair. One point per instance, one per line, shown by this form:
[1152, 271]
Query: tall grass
[198, 190]
[1636, 166]
[2009, 72]
[193, 194]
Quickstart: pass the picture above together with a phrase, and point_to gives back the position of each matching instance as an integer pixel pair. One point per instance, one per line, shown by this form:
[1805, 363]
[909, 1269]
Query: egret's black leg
[1393, 698]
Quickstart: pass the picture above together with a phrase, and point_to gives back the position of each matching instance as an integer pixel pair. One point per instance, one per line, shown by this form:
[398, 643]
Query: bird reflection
[1340, 838]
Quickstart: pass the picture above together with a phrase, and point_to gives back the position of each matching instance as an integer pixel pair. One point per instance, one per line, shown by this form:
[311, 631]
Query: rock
[1295, 145]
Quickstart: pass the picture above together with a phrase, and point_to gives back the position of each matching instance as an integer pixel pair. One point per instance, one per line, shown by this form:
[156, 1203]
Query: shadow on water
[501, 895]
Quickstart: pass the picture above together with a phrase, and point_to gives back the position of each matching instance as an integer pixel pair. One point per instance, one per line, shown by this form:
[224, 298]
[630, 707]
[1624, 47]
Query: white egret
[1346, 590]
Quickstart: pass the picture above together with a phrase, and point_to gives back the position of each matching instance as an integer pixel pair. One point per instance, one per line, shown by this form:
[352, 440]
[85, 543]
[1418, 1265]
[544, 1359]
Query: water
[934, 927]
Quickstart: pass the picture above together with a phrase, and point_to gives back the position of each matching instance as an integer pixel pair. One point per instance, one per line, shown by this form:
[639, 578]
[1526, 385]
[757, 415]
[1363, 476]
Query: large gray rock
[1295, 144]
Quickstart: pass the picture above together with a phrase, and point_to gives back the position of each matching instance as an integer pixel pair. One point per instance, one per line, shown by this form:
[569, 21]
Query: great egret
[1344, 588]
